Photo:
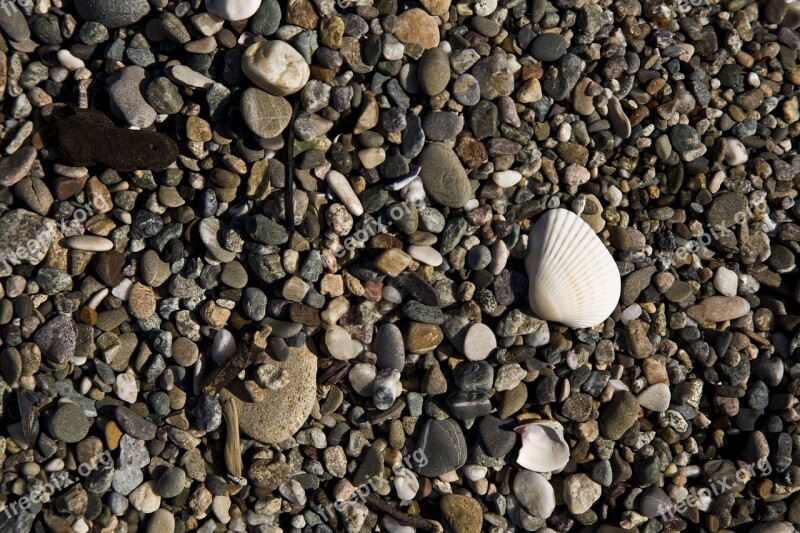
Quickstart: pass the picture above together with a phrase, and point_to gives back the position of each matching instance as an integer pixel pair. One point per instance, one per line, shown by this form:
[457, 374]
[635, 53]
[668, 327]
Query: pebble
[275, 67]
[14, 25]
[127, 98]
[434, 71]
[506, 178]
[580, 493]
[442, 443]
[16, 166]
[619, 415]
[497, 435]
[232, 9]
[719, 309]
[224, 346]
[479, 342]
[57, 339]
[265, 114]
[443, 176]
[161, 521]
[414, 26]
[344, 192]
[112, 14]
[389, 347]
[281, 412]
[171, 483]
[339, 343]
[144, 498]
[425, 254]
[548, 47]
[385, 388]
[655, 397]
[69, 423]
[534, 493]
[735, 152]
[462, 513]
[726, 282]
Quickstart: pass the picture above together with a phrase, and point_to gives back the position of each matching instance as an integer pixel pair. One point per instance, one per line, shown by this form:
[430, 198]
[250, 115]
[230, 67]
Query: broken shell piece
[535, 493]
[543, 446]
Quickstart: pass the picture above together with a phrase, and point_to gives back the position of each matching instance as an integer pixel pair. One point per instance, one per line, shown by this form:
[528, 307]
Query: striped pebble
[425, 254]
[90, 243]
[342, 189]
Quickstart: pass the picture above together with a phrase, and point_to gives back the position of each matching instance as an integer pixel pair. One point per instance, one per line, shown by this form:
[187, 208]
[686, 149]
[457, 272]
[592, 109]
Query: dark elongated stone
[88, 137]
[135, 425]
[413, 284]
[467, 405]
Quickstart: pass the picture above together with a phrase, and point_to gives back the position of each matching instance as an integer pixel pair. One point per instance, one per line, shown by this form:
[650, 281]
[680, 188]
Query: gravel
[263, 265]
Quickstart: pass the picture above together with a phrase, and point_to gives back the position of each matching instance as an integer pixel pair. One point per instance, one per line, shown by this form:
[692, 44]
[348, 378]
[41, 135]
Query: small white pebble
[506, 178]
[735, 152]
[471, 205]
[223, 347]
[726, 281]
[70, 61]
[123, 290]
[631, 313]
[425, 254]
[390, 294]
[564, 132]
[475, 472]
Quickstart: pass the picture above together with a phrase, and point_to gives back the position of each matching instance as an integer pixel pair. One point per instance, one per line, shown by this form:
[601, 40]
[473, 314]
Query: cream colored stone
[276, 67]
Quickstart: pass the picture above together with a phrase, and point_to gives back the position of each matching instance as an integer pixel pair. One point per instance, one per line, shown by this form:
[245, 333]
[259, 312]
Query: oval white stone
[339, 343]
[726, 281]
[276, 67]
[425, 254]
[506, 178]
[90, 243]
[535, 493]
[342, 189]
[233, 9]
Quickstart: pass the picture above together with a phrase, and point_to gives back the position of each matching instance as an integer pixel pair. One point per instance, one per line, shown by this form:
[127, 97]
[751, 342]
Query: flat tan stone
[282, 412]
[417, 27]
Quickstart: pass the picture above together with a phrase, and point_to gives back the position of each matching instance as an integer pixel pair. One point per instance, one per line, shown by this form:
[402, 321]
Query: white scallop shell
[535, 493]
[543, 446]
[573, 278]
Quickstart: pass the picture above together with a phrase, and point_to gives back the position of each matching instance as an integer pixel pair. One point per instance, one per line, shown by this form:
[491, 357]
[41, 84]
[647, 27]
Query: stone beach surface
[263, 266]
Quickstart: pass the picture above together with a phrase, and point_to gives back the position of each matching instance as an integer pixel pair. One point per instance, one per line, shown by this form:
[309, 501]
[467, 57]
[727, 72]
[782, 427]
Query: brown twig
[250, 351]
[376, 504]
[233, 447]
